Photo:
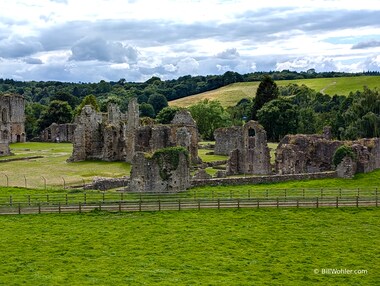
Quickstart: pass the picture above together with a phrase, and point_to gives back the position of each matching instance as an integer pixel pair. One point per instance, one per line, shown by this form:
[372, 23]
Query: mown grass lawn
[210, 247]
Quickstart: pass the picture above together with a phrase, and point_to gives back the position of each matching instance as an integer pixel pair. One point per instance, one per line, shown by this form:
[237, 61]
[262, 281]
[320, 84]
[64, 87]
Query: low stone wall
[261, 179]
[103, 184]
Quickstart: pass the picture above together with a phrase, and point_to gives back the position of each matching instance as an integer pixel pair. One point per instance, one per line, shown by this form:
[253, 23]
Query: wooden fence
[186, 204]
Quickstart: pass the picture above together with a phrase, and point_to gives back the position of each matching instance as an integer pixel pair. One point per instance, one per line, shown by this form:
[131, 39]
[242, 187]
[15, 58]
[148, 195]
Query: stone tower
[133, 122]
[12, 121]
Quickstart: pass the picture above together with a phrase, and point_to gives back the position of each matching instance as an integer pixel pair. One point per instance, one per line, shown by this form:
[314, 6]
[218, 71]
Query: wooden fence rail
[188, 204]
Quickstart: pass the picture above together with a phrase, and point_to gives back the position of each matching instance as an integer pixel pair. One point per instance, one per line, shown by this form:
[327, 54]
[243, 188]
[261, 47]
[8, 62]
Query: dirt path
[327, 86]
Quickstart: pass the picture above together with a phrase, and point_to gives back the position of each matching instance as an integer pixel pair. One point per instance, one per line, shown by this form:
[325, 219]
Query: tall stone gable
[252, 156]
[12, 121]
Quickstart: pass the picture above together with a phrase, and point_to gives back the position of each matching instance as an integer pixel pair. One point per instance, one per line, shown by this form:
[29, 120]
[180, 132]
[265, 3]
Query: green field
[210, 247]
[53, 166]
[231, 94]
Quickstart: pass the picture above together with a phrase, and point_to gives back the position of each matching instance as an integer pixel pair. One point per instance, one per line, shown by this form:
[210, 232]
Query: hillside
[231, 94]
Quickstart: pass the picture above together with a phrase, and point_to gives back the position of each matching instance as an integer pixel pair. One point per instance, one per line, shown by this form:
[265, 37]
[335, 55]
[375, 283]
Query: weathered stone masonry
[12, 121]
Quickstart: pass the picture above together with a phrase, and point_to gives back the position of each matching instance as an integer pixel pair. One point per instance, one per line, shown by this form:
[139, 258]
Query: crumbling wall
[12, 121]
[58, 133]
[300, 153]
[166, 171]
[253, 157]
[133, 123]
[228, 139]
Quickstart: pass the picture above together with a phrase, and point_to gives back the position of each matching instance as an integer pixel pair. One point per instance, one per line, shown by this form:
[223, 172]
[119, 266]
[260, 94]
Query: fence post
[258, 203]
[285, 193]
[238, 203]
[376, 200]
[44, 181]
[278, 203]
[179, 204]
[122, 196]
[298, 203]
[337, 202]
[357, 201]
[340, 193]
[64, 182]
[218, 204]
[10, 200]
[358, 192]
[59, 207]
[199, 205]
[119, 206]
[159, 205]
[29, 200]
[19, 208]
[140, 205]
[317, 202]
[80, 207]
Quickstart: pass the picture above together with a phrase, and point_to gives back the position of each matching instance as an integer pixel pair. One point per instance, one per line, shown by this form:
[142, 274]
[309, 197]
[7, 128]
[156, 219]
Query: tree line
[298, 107]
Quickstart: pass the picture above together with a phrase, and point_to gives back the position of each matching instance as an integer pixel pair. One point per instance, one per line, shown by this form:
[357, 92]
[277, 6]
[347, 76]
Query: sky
[93, 40]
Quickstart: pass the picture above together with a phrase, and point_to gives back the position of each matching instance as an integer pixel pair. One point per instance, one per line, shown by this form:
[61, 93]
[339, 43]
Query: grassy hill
[231, 94]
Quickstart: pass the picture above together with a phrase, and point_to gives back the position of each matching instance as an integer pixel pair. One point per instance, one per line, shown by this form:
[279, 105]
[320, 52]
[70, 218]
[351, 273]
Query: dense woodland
[282, 110]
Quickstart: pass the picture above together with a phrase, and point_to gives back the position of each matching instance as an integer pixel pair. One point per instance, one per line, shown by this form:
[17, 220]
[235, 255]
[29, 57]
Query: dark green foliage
[341, 152]
[146, 110]
[266, 92]
[158, 101]
[279, 117]
[66, 96]
[57, 112]
[88, 100]
[209, 115]
[168, 159]
[166, 115]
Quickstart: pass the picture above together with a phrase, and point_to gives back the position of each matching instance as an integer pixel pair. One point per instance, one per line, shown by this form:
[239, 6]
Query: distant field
[231, 94]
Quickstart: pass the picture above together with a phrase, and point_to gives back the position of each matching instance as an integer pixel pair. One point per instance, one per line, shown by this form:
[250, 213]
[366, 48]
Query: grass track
[210, 247]
[231, 94]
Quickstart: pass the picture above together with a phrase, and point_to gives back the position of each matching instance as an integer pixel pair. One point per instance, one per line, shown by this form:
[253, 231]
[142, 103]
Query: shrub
[342, 152]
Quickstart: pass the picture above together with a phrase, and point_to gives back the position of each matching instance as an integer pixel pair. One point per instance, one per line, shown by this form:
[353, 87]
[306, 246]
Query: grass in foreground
[210, 247]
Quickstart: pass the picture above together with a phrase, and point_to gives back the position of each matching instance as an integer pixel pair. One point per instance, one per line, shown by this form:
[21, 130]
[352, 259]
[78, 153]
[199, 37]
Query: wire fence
[189, 204]
[75, 196]
[41, 182]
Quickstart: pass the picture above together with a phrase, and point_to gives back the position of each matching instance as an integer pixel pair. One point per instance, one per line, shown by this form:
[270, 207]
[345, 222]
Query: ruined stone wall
[314, 153]
[58, 133]
[133, 122]
[253, 156]
[12, 121]
[168, 170]
[228, 139]
[261, 179]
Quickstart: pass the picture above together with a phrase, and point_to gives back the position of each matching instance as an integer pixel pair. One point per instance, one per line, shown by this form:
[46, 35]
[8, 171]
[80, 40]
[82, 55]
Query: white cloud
[90, 39]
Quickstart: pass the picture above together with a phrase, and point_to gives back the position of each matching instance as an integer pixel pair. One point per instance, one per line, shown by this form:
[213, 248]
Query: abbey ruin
[12, 125]
[115, 136]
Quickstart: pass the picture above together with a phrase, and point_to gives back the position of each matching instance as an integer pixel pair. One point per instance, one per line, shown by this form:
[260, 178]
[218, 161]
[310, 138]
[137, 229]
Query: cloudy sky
[93, 40]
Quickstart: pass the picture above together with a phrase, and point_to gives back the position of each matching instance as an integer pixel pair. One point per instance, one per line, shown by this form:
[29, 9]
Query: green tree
[146, 110]
[209, 115]
[266, 92]
[158, 101]
[166, 115]
[65, 96]
[57, 112]
[279, 117]
[88, 100]
[33, 112]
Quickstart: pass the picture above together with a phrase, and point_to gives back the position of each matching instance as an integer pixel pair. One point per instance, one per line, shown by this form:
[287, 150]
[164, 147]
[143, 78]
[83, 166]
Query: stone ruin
[118, 137]
[12, 124]
[247, 149]
[166, 171]
[58, 133]
[297, 154]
